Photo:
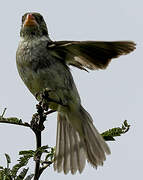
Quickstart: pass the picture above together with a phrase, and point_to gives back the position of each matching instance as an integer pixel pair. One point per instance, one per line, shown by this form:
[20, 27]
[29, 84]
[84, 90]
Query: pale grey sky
[110, 96]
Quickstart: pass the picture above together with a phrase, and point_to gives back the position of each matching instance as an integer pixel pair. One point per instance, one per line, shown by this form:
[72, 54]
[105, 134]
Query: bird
[45, 64]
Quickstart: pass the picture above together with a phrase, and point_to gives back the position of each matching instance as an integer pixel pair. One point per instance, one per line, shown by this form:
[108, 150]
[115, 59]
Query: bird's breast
[39, 70]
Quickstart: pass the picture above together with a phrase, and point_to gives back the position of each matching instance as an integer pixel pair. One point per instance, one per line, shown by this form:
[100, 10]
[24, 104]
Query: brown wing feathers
[93, 54]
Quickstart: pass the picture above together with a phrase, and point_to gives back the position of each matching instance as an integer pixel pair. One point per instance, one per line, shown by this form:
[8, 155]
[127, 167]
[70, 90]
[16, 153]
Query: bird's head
[33, 25]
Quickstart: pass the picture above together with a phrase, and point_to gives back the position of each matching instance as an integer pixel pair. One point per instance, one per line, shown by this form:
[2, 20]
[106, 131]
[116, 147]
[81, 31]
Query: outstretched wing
[90, 54]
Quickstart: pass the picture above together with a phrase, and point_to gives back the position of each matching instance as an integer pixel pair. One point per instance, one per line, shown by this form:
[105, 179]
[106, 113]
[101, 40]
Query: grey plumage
[73, 157]
[42, 64]
[78, 148]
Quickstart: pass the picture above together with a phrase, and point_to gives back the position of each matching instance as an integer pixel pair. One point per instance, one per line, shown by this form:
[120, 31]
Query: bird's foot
[48, 99]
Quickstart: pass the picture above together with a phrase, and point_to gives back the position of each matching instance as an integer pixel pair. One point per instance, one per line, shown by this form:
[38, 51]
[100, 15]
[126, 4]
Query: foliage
[114, 132]
[43, 155]
[17, 173]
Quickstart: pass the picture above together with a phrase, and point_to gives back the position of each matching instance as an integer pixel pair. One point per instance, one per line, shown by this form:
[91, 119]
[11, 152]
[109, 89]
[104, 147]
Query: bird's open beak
[30, 20]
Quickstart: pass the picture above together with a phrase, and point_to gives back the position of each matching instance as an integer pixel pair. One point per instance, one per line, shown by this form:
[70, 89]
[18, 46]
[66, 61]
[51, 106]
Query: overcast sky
[110, 96]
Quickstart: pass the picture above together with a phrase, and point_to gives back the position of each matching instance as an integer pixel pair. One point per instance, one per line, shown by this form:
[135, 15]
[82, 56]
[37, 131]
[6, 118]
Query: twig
[37, 125]
[38, 157]
[44, 167]
[10, 121]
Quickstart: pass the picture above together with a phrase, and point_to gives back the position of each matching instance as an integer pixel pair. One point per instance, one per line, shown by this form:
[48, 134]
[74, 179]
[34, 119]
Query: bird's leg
[45, 100]
[45, 96]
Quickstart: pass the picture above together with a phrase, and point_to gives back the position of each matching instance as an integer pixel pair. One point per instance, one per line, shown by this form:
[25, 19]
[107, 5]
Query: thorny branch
[37, 126]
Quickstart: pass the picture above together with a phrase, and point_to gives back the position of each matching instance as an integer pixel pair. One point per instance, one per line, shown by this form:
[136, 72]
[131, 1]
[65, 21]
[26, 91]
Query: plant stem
[12, 121]
[38, 158]
[37, 125]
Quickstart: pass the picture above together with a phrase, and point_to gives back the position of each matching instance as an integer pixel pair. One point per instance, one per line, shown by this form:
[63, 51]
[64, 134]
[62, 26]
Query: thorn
[3, 112]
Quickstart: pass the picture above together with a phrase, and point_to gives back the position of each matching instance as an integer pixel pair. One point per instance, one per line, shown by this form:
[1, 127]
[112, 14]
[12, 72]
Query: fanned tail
[73, 148]
[70, 154]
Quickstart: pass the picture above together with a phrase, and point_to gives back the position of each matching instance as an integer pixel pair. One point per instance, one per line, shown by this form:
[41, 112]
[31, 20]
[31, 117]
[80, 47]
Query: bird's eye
[39, 18]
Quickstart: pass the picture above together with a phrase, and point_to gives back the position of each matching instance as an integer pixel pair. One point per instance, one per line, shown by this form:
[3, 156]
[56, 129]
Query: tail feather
[60, 146]
[95, 147]
[69, 155]
[80, 152]
[95, 152]
[73, 148]
[66, 166]
[104, 146]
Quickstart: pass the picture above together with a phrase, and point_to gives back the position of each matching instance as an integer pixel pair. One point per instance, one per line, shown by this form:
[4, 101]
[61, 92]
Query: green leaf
[7, 174]
[14, 120]
[49, 159]
[108, 138]
[8, 158]
[29, 177]
[23, 161]
[29, 152]
[114, 132]
[22, 174]
[17, 167]
[42, 149]
[1, 174]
